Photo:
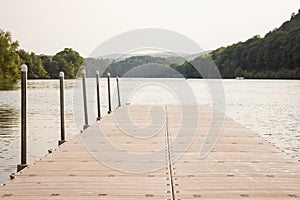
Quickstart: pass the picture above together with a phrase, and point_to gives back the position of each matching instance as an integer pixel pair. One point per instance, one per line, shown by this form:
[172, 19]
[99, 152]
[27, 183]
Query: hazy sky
[48, 26]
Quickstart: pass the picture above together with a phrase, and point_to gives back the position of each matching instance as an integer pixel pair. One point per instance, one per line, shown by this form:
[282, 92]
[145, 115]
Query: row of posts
[62, 108]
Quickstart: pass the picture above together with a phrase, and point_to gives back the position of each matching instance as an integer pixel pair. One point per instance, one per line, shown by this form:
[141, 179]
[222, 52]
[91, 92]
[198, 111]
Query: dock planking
[241, 164]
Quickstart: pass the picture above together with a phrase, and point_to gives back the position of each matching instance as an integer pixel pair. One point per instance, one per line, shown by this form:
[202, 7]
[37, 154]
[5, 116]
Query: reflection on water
[270, 108]
[43, 122]
[9, 118]
[49, 84]
[8, 85]
[9, 126]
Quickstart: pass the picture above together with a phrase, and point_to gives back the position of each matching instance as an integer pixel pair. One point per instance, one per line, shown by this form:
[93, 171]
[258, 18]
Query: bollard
[86, 125]
[23, 118]
[118, 89]
[109, 99]
[98, 96]
[62, 109]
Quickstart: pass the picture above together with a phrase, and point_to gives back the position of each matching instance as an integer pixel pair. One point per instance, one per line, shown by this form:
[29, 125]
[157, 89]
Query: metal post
[118, 89]
[62, 109]
[23, 118]
[108, 87]
[98, 96]
[86, 125]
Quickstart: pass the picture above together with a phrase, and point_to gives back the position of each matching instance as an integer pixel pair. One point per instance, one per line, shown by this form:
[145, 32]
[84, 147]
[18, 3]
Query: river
[270, 108]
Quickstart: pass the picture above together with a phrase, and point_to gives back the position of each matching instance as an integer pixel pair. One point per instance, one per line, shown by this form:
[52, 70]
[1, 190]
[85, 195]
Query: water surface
[268, 107]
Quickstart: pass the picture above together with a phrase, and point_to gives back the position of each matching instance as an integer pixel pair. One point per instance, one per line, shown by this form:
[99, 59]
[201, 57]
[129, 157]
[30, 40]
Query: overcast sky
[48, 26]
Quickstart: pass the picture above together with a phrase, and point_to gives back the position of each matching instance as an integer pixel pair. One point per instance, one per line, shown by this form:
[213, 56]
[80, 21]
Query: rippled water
[268, 107]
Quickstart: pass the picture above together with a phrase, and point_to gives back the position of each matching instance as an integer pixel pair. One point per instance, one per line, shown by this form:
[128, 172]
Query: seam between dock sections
[168, 143]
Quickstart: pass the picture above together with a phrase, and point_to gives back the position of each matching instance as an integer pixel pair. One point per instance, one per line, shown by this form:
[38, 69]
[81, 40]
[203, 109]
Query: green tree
[238, 72]
[277, 55]
[9, 60]
[34, 63]
[47, 63]
[68, 61]
[119, 68]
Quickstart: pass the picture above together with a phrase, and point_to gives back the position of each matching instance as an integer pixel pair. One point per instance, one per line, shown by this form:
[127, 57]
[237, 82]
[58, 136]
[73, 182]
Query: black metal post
[118, 89]
[62, 109]
[23, 118]
[98, 96]
[109, 98]
[86, 125]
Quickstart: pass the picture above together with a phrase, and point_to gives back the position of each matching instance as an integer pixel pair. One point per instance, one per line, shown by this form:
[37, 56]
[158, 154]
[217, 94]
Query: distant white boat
[239, 78]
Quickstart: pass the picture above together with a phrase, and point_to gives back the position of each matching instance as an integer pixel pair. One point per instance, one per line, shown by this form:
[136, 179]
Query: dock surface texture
[146, 152]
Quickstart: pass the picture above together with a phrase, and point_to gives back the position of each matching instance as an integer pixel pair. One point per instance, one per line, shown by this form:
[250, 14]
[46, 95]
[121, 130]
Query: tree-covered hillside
[277, 55]
[39, 66]
[119, 68]
[91, 65]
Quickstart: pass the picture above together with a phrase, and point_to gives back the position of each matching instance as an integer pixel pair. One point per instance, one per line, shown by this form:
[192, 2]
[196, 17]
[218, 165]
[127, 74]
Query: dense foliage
[68, 61]
[39, 66]
[34, 64]
[119, 68]
[277, 55]
[9, 59]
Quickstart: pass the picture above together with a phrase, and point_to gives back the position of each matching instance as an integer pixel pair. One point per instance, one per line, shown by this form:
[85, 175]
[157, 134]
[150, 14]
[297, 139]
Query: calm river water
[270, 108]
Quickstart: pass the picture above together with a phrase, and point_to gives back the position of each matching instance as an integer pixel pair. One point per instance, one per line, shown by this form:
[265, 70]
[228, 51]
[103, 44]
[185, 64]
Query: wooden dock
[240, 166]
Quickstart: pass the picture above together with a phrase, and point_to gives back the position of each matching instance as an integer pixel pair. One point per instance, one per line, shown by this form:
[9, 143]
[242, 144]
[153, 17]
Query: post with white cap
[98, 96]
[86, 125]
[62, 109]
[23, 118]
[109, 99]
[118, 90]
